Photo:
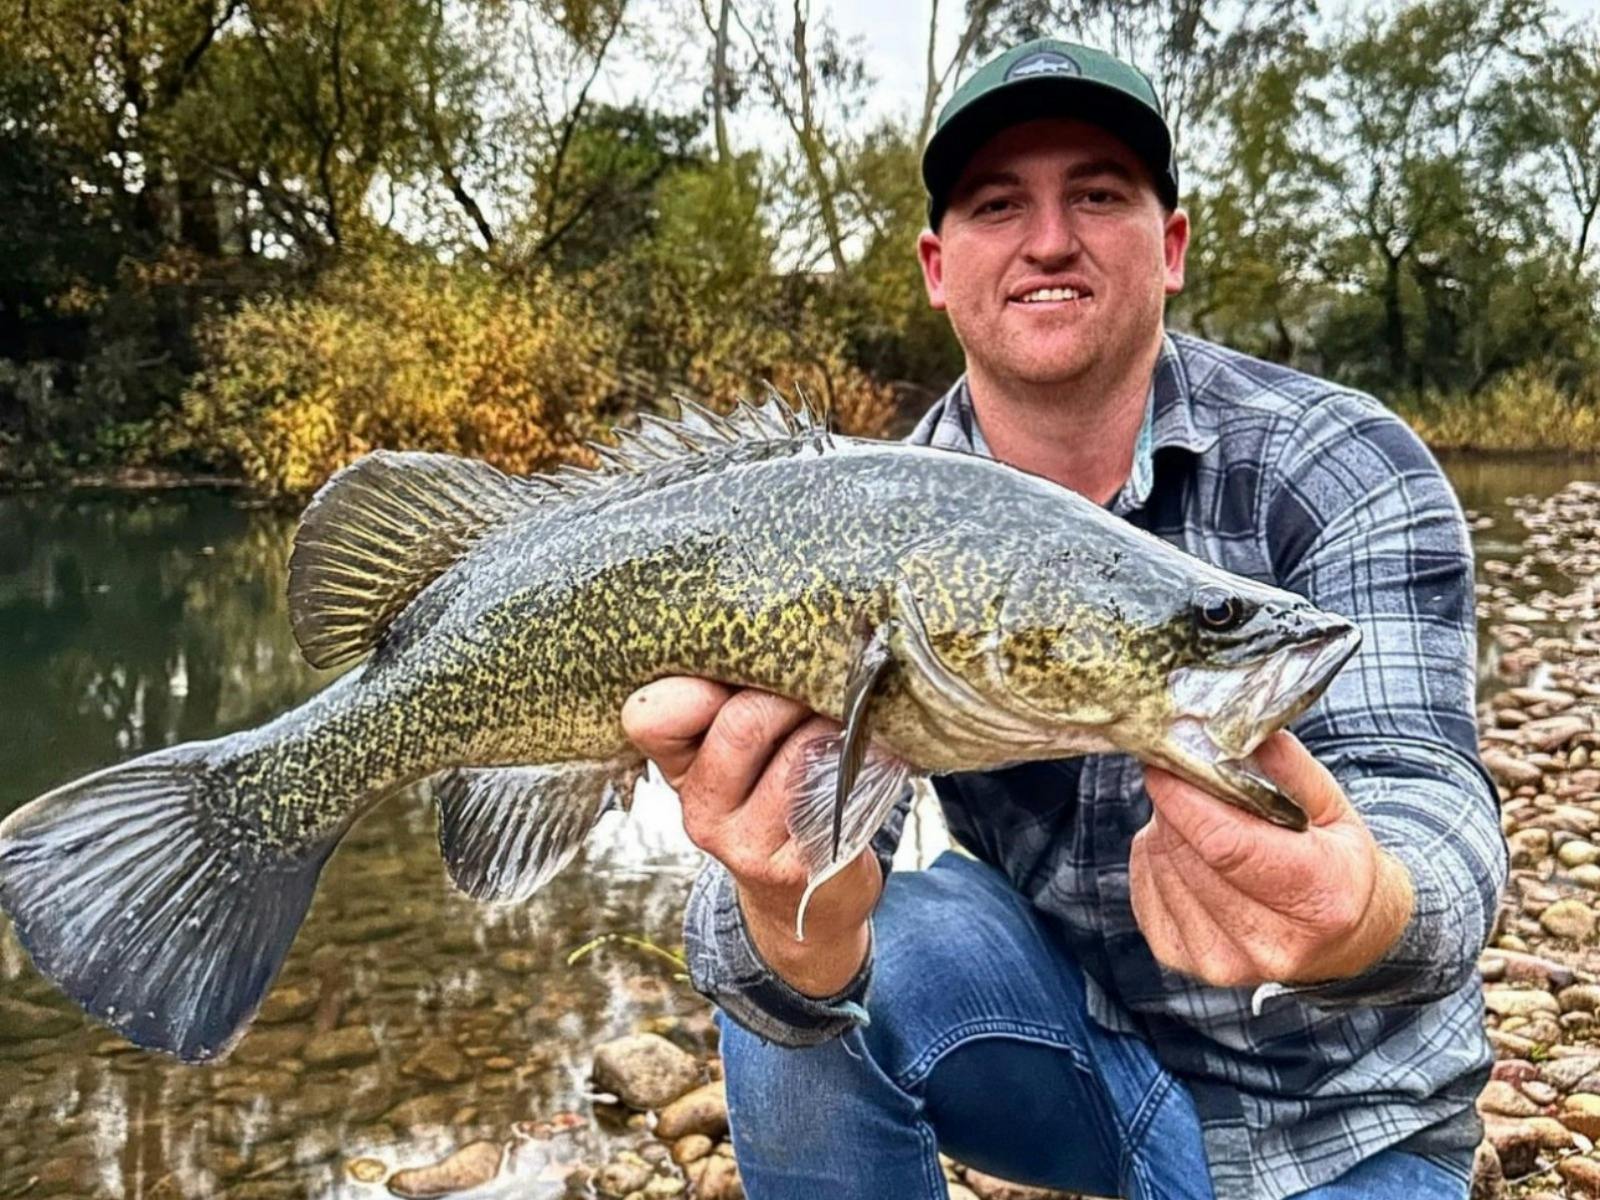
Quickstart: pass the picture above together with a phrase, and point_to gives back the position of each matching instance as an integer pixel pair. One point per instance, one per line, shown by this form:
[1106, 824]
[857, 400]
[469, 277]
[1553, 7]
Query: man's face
[1055, 256]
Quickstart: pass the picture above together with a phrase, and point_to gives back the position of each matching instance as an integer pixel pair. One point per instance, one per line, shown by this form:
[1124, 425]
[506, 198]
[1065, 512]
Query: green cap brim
[1124, 116]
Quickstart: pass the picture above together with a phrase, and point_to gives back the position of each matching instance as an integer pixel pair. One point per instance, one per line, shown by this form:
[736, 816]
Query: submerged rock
[474, 1165]
[645, 1070]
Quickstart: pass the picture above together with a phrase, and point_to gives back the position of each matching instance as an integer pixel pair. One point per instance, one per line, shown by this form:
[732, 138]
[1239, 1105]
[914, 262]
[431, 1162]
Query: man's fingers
[764, 821]
[668, 718]
[1150, 910]
[736, 750]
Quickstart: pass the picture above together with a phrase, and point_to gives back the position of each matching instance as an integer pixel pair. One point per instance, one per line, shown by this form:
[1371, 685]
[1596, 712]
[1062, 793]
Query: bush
[424, 356]
[406, 355]
[1524, 410]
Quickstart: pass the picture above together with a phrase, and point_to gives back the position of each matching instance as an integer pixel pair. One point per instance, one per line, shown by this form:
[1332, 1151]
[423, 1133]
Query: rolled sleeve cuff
[1456, 872]
[726, 968]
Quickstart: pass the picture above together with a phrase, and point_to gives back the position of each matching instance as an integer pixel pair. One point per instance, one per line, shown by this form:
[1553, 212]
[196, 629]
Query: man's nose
[1052, 236]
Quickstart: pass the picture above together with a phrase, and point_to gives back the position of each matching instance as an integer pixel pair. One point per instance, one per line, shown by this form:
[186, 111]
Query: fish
[951, 612]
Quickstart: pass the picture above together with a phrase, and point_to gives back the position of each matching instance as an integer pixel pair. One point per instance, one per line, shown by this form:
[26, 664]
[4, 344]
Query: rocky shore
[1540, 730]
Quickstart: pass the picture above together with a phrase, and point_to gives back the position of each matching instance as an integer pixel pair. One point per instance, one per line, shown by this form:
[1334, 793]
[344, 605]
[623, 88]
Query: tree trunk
[719, 86]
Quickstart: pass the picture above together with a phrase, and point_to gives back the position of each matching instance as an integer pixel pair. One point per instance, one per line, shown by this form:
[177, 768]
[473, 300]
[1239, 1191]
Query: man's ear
[931, 255]
[1175, 244]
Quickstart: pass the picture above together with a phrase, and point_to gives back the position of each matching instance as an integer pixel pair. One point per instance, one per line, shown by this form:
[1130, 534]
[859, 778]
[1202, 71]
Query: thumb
[1284, 760]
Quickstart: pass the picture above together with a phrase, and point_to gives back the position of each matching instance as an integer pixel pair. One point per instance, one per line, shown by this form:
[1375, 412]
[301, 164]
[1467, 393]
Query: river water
[407, 1019]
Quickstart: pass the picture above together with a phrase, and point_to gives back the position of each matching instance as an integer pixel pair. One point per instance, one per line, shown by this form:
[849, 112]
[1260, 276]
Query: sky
[893, 37]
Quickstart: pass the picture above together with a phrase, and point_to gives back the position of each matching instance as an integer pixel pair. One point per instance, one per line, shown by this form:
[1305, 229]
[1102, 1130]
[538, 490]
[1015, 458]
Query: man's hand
[1236, 902]
[733, 757]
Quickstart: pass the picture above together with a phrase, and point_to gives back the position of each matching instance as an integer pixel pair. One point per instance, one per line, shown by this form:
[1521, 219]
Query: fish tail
[141, 892]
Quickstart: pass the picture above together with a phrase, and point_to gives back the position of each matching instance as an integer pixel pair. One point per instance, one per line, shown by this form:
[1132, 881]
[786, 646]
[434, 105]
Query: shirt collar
[1170, 420]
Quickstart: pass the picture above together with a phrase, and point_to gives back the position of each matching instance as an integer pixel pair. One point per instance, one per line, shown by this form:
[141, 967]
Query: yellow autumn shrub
[427, 356]
[1524, 410]
[404, 355]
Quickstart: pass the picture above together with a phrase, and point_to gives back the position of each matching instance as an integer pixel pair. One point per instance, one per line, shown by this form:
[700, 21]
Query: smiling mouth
[1054, 295]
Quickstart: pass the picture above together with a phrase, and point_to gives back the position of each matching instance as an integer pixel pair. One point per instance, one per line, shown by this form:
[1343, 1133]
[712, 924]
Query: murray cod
[953, 613]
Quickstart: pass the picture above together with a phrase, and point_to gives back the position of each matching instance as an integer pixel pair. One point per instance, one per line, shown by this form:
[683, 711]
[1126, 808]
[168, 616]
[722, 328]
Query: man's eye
[998, 204]
[1099, 197]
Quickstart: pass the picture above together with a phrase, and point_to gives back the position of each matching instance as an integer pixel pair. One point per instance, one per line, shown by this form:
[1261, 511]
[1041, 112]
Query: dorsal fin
[380, 531]
[699, 433]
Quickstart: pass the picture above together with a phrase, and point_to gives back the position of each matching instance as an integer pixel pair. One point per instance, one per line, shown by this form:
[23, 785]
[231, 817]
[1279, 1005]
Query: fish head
[1179, 663]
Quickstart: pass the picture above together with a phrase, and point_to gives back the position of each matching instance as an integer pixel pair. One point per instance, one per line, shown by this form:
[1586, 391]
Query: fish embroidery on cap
[1045, 62]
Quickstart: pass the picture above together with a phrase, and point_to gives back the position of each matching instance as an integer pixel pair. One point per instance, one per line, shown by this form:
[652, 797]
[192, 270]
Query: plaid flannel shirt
[1287, 479]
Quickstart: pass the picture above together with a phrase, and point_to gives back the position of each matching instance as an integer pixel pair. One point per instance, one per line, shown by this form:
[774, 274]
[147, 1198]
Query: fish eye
[1218, 612]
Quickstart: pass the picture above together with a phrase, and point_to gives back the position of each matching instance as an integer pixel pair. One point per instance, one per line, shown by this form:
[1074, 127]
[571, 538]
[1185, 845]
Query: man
[1130, 988]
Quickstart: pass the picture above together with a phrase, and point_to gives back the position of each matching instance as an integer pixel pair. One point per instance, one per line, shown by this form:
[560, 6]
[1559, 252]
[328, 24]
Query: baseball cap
[1048, 78]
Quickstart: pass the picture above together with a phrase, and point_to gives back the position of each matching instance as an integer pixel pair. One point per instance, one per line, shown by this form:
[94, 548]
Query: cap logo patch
[1044, 62]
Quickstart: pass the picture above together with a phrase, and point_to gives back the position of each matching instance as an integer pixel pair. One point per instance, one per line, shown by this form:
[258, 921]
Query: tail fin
[133, 891]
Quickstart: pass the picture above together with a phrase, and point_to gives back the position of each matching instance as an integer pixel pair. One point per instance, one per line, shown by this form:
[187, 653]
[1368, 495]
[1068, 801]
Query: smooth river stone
[644, 1070]
[1519, 1002]
[346, 1047]
[1569, 919]
[1577, 853]
[474, 1165]
[1528, 846]
[1504, 1100]
[1580, 1112]
[704, 1110]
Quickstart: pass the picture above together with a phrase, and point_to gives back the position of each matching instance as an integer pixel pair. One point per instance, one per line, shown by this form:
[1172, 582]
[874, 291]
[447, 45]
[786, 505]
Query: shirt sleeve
[1363, 522]
[726, 968]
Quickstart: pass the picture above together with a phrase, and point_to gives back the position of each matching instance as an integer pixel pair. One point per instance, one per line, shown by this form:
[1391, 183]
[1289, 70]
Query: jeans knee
[784, 1101]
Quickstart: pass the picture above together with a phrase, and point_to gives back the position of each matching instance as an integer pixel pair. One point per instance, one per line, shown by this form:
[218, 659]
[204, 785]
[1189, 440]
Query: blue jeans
[980, 1046]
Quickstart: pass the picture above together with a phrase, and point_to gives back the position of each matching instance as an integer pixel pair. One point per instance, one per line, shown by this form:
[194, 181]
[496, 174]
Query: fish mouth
[1229, 711]
[1221, 714]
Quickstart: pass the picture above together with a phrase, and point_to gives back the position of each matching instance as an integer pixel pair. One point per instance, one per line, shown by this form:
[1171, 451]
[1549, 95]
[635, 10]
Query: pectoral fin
[872, 660]
[506, 831]
[847, 787]
[880, 781]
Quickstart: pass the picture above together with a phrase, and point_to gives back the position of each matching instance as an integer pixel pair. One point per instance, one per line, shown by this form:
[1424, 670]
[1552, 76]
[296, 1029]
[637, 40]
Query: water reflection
[408, 1020]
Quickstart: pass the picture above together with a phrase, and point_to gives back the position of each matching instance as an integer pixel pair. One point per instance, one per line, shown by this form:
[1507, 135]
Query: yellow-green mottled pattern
[763, 569]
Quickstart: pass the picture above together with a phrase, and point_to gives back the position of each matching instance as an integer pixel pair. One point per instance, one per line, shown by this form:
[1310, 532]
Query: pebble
[346, 1047]
[1528, 846]
[1519, 1002]
[474, 1165]
[1583, 1173]
[704, 1111]
[366, 1170]
[1503, 1099]
[287, 1002]
[691, 1147]
[1569, 919]
[1509, 769]
[21, 1021]
[437, 1060]
[622, 1175]
[644, 1070]
[719, 1180]
[1581, 1112]
[1576, 853]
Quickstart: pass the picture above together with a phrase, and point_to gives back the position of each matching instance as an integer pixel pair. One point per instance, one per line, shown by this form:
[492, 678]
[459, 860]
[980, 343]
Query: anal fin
[507, 831]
